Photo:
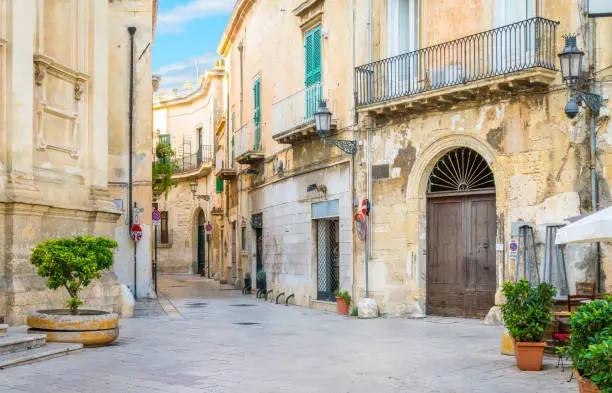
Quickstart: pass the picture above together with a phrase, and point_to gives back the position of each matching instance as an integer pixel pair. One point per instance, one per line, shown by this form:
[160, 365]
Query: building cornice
[241, 9]
[202, 90]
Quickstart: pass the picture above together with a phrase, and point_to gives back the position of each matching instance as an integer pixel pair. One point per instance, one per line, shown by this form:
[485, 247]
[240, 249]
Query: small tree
[73, 263]
[527, 311]
[163, 169]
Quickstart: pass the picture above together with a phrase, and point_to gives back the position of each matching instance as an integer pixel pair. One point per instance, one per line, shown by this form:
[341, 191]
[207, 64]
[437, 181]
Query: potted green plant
[343, 300]
[527, 315]
[73, 264]
[590, 346]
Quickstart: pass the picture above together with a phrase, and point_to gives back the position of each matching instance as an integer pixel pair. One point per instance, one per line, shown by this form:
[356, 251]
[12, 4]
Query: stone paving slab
[288, 349]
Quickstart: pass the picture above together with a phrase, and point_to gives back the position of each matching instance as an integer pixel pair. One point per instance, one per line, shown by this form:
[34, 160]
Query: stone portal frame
[416, 197]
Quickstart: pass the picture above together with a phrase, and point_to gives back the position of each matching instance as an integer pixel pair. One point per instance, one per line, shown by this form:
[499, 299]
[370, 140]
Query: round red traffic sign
[136, 232]
[208, 227]
[156, 215]
[365, 207]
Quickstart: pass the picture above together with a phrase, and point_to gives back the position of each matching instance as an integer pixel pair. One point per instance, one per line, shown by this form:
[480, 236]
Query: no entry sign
[136, 232]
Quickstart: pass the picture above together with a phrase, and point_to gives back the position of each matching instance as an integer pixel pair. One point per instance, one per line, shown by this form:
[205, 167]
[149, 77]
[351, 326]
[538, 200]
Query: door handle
[484, 245]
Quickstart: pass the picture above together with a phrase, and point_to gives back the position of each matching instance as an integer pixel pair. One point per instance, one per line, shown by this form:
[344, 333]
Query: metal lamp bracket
[347, 146]
[593, 101]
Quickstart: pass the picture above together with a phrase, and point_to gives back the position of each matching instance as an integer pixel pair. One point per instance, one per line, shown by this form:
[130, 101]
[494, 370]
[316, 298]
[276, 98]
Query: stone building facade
[188, 122]
[62, 156]
[456, 110]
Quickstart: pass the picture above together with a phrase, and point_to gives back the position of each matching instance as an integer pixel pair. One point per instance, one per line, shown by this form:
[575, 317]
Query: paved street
[221, 341]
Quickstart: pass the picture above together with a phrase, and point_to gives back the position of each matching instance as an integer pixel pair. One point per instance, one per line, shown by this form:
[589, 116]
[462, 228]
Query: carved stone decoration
[39, 75]
[50, 107]
[310, 13]
[78, 91]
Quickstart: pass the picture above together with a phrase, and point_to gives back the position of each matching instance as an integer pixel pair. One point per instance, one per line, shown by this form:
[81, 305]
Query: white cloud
[176, 74]
[174, 20]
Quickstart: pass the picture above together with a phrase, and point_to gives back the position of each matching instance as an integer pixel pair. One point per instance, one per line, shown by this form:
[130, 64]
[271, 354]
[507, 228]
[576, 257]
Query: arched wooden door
[461, 228]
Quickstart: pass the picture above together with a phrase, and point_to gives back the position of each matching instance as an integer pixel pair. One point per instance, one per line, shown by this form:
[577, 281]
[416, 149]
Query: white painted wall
[289, 242]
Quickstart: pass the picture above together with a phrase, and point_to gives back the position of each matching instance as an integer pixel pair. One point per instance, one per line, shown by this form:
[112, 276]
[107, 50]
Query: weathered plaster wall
[289, 242]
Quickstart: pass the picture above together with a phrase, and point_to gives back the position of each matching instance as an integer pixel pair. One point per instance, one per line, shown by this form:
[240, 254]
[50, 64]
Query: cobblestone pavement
[196, 340]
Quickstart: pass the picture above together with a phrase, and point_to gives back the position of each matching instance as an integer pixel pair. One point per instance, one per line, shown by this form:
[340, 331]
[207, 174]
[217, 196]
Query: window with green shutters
[164, 139]
[312, 60]
[257, 113]
[219, 186]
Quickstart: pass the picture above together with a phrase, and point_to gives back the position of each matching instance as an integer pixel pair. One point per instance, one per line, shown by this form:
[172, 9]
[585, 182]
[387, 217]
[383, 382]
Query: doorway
[461, 230]
[201, 242]
[328, 252]
[234, 251]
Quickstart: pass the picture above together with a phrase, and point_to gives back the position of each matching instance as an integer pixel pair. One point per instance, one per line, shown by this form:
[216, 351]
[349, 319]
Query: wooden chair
[584, 291]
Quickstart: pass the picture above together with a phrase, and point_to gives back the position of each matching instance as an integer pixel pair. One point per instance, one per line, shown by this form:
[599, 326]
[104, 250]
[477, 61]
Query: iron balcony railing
[190, 162]
[511, 48]
[299, 108]
[245, 139]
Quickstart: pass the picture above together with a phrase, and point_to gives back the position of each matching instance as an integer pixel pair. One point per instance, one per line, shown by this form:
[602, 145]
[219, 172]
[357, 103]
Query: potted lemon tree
[527, 315]
[590, 346]
[73, 264]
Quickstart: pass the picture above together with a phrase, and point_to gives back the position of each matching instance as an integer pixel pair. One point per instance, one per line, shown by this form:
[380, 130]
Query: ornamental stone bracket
[310, 13]
[46, 69]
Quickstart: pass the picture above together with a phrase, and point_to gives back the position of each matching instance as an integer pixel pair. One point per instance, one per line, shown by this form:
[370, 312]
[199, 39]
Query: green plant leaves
[527, 311]
[590, 346]
[72, 263]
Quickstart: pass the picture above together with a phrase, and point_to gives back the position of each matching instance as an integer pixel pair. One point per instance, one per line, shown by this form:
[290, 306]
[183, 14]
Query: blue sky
[187, 32]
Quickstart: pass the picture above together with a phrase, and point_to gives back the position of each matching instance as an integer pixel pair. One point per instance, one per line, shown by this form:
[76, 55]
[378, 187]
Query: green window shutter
[257, 113]
[232, 150]
[164, 139]
[219, 186]
[312, 56]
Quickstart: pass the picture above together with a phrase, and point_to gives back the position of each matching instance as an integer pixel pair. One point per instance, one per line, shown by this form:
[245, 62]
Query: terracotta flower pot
[529, 355]
[341, 305]
[584, 385]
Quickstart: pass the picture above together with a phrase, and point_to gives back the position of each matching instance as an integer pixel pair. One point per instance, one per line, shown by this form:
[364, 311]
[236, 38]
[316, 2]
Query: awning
[593, 228]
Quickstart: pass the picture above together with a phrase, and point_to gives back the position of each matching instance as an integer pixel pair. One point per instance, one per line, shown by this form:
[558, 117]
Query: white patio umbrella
[593, 228]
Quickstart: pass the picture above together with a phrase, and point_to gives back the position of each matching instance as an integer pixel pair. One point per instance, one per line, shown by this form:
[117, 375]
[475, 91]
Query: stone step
[48, 351]
[20, 342]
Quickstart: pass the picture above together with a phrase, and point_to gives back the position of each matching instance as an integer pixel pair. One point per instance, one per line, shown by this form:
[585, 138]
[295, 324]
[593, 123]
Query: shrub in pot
[590, 346]
[343, 300]
[73, 264]
[527, 315]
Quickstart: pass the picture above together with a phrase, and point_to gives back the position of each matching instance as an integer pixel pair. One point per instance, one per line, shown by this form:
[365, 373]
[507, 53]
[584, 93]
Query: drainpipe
[594, 178]
[238, 211]
[369, 43]
[368, 242]
[131, 31]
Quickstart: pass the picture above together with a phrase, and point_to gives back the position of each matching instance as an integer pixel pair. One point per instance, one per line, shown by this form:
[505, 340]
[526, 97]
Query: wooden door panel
[461, 255]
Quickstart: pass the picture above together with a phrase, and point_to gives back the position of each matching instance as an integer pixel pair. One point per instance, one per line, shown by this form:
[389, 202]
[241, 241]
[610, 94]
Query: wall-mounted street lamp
[571, 68]
[194, 189]
[323, 124]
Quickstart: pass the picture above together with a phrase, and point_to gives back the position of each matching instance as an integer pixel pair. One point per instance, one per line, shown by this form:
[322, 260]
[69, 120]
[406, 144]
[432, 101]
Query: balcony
[198, 163]
[503, 60]
[247, 145]
[223, 170]
[293, 116]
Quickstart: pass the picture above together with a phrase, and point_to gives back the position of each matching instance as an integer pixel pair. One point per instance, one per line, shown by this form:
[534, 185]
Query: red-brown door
[461, 255]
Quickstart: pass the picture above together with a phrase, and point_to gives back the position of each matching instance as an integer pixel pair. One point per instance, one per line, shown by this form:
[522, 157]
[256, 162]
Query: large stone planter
[89, 327]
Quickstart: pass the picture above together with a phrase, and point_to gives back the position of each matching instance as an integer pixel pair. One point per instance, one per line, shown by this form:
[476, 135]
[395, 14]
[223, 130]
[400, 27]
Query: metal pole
[131, 31]
[135, 264]
[155, 262]
[367, 251]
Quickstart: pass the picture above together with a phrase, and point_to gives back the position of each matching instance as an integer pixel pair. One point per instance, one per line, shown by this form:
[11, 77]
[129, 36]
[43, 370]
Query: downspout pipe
[131, 31]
